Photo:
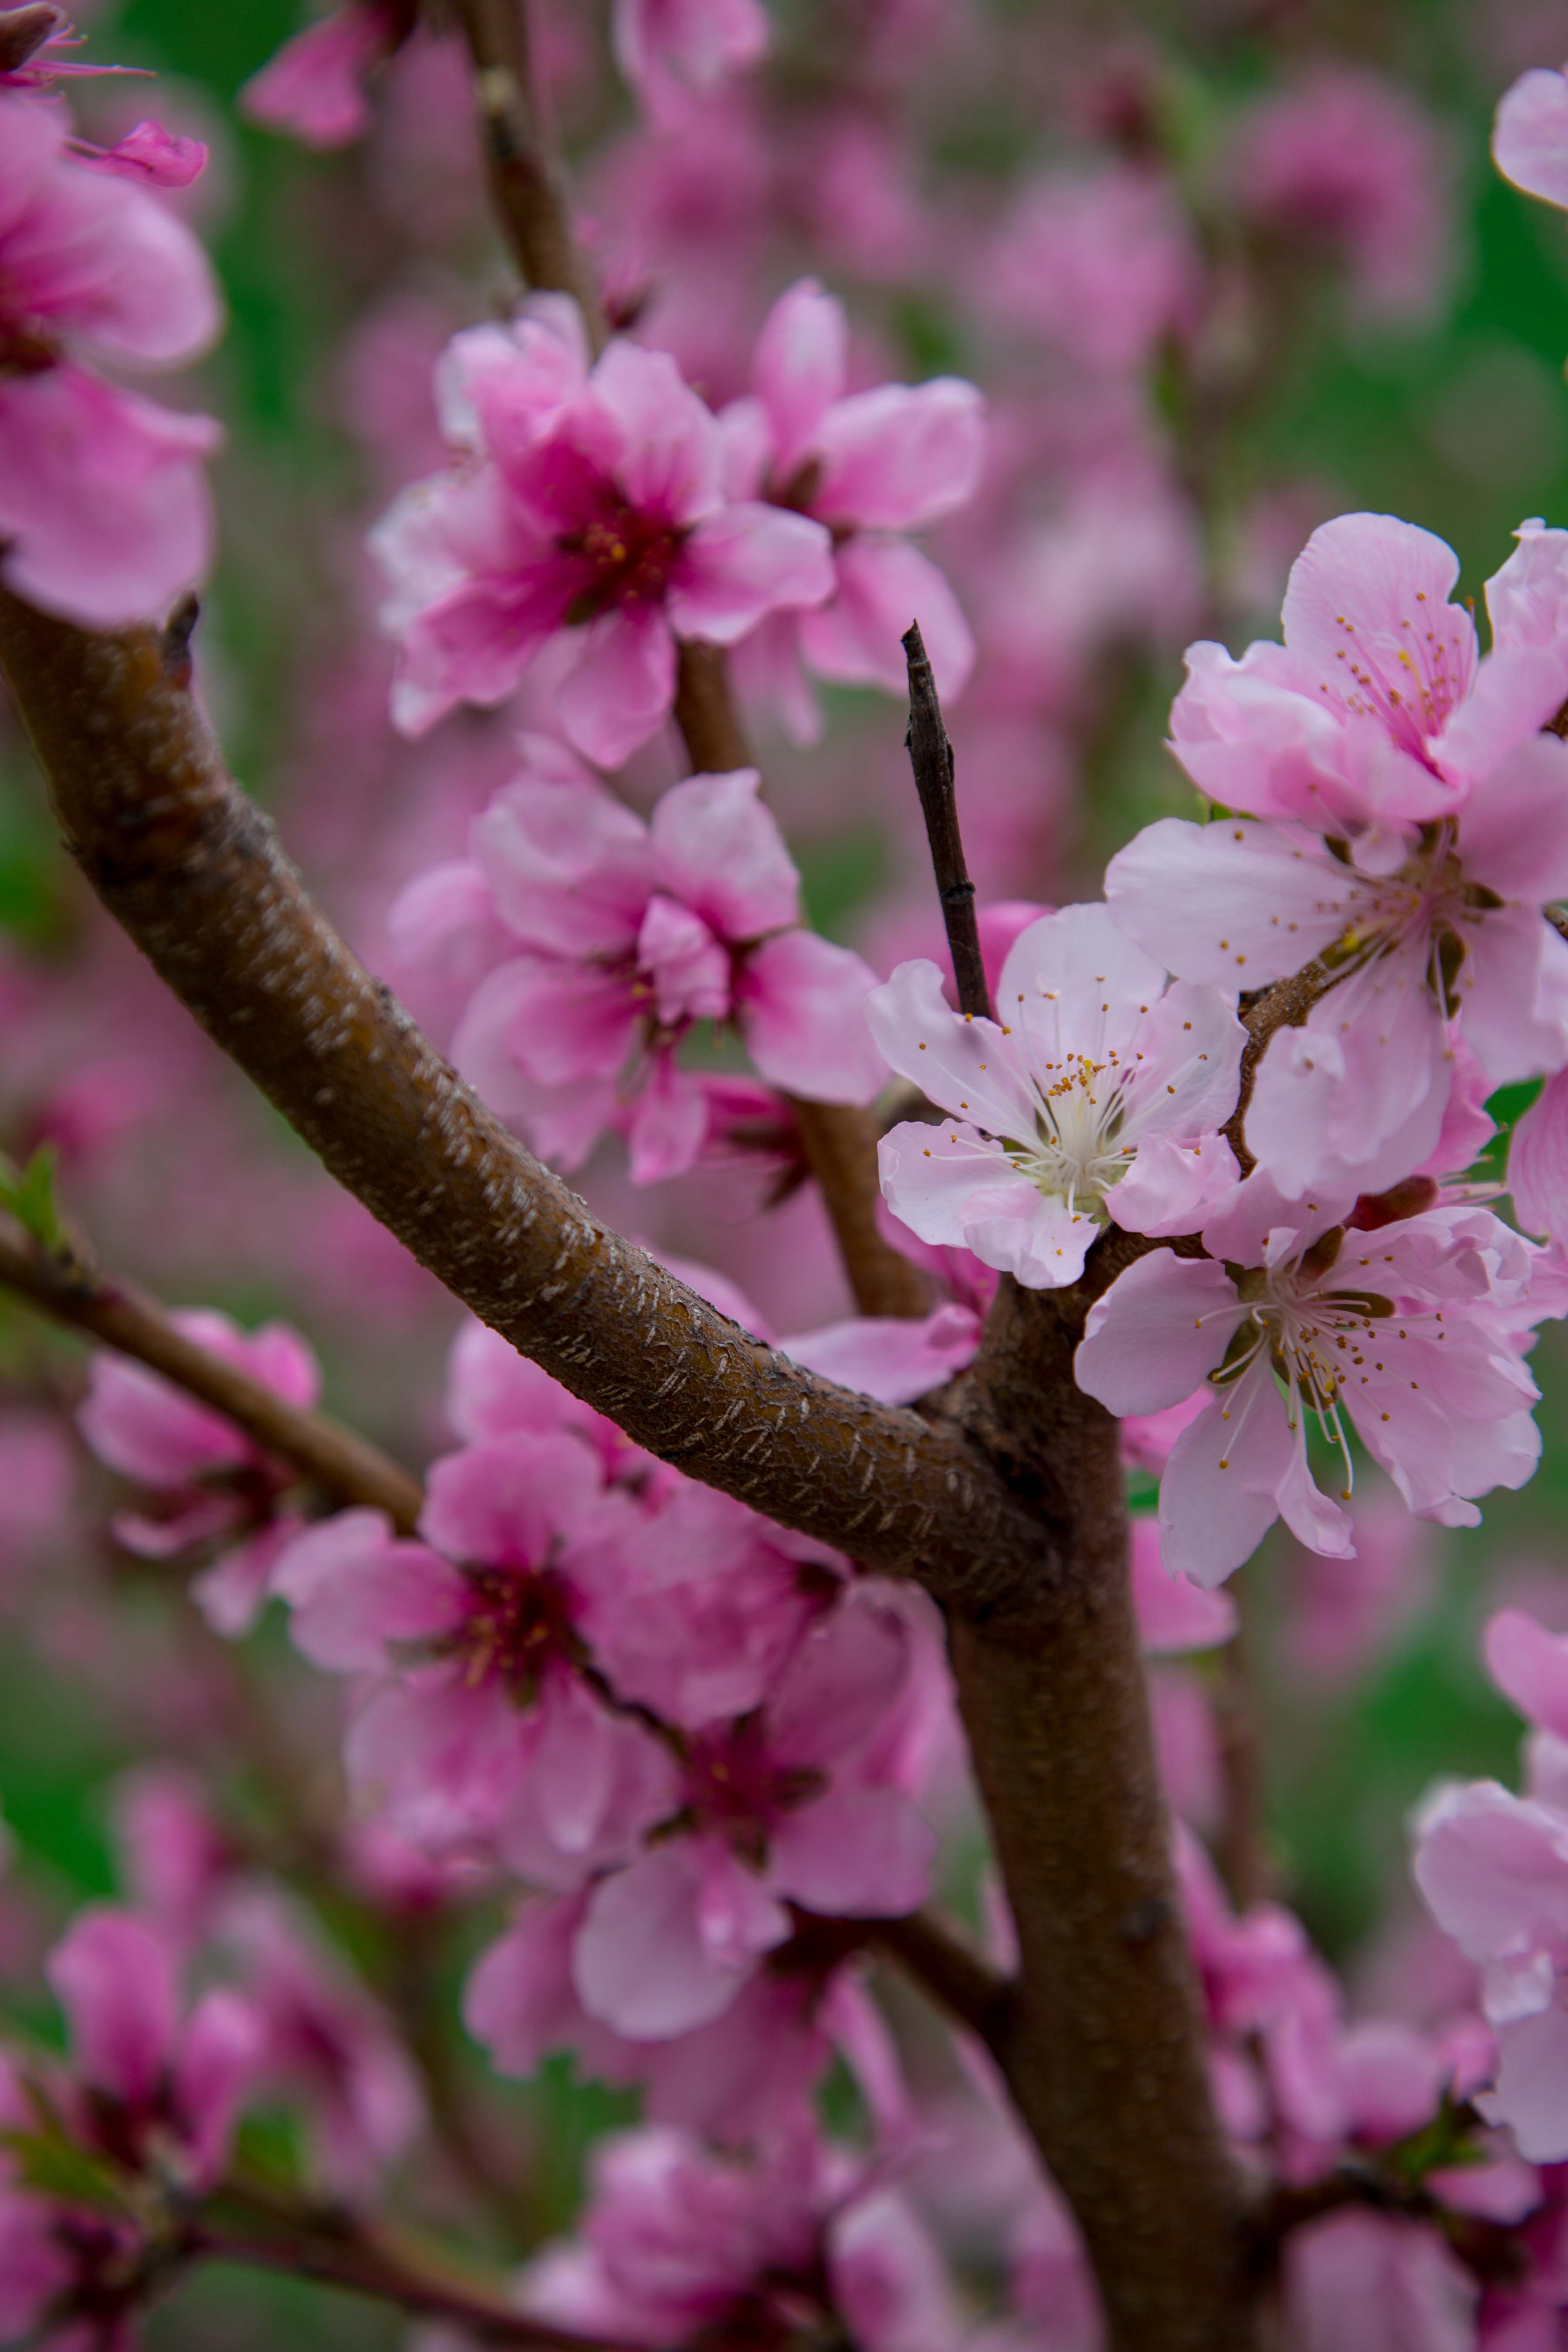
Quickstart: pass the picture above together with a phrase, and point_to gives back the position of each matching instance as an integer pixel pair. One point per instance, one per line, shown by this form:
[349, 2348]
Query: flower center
[1075, 1155]
[621, 559]
[735, 1787]
[518, 1620]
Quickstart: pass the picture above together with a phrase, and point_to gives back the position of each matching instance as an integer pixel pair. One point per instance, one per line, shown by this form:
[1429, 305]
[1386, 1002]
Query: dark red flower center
[622, 558]
[518, 1619]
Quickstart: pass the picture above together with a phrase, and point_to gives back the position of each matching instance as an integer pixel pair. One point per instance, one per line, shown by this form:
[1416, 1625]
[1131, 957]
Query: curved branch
[193, 873]
[66, 1285]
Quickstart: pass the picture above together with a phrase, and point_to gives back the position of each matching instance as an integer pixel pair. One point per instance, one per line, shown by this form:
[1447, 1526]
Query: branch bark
[194, 875]
[67, 1286]
[526, 191]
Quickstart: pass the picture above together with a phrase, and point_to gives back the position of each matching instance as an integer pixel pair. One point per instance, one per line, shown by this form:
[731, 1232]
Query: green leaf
[29, 1194]
[55, 2167]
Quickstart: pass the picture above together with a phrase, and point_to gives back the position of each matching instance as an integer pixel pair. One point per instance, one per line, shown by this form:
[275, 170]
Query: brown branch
[1105, 2047]
[1285, 1005]
[65, 1284]
[526, 191]
[839, 1141]
[931, 757]
[706, 715]
[194, 875]
[266, 2232]
[950, 1972]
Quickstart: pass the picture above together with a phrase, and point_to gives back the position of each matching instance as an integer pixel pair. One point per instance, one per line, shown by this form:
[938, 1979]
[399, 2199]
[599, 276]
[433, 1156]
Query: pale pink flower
[207, 1483]
[750, 2073]
[873, 466]
[1404, 1330]
[315, 86]
[1530, 136]
[1345, 162]
[1374, 729]
[674, 52]
[471, 1728]
[160, 2078]
[783, 1805]
[619, 938]
[680, 2242]
[1097, 1095]
[580, 503]
[103, 497]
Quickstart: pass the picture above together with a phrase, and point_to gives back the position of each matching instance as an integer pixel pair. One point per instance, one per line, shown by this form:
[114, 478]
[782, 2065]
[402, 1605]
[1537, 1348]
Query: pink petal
[966, 1067]
[1174, 1613]
[152, 156]
[1529, 138]
[640, 1962]
[1531, 2092]
[313, 87]
[103, 497]
[716, 846]
[472, 644]
[744, 561]
[503, 1503]
[1538, 1163]
[569, 865]
[1160, 1328]
[1218, 1494]
[114, 1976]
[799, 370]
[621, 687]
[1377, 590]
[945, 1181]
[1234, 903]
[220, 2056]
[854, 1850]
[893, 1361]
[670, 1122]
[352, 1587]
[800, 1003]
[670, 454]
[883, 584]
[898, 459]
[689, 968]
[847, 1671]
[1530, 1666]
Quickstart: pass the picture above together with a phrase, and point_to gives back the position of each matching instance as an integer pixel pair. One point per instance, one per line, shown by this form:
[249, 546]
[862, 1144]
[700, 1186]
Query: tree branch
[526, 191]
[194, 875]
[65, 1285]
[266, 2232]
[931, 757]
[950, 1972]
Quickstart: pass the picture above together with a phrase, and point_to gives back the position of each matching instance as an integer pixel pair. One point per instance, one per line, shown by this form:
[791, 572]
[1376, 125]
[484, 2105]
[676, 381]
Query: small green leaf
[54, 2166]
[29, 1194]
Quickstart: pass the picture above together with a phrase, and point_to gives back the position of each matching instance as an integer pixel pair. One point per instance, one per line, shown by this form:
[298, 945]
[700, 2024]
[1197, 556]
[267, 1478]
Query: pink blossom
[1364, 2282]
[209, 1484]
[1538, 1163]
[172, 1855]
[1344, 161]
[783, 1805]
[1530, 137]
[151, 2075]
[148, 155]
[620, 938]
[674, 51]
[1100, 264]
[1097, 1097]
[1404, 1330]
[313, 88]
[324, 2041]
[471, 1728]
[581, 505]
[679, 2241]
[1453, 804]
[872, 467]
[101, 496]
[1174, 1613]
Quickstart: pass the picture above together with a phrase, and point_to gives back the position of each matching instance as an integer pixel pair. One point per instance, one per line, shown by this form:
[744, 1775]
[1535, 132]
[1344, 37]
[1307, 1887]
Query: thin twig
[839, 1141]
[66, 1285]
[931, 757]
[526, 186]
[265, 2232]
[952, 1971]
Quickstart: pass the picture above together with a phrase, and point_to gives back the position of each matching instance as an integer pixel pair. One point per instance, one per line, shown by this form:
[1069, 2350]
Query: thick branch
[526, 191]
[1104, 2049]
[931, 757]
[194, 875]
[65, 1285]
